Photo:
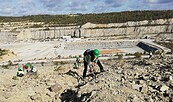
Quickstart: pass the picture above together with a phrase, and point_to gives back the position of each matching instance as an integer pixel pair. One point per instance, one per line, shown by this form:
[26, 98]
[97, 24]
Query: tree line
[100, 18]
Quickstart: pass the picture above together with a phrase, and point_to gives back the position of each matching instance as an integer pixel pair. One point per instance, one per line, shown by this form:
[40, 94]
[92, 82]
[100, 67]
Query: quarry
[50, 42]
[52, 50]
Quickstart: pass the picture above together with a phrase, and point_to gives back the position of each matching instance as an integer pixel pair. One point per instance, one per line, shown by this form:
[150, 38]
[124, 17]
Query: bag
[86, 52]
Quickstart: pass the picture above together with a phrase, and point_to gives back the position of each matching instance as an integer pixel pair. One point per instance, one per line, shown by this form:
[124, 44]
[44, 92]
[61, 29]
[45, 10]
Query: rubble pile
[126, 80]
[134, 80]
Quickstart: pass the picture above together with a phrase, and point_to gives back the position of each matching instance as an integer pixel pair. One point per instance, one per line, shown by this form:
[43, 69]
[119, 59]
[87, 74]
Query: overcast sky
[34, 7]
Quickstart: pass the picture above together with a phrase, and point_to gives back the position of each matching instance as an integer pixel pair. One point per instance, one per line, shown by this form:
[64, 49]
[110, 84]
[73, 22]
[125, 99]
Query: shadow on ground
[73, 96]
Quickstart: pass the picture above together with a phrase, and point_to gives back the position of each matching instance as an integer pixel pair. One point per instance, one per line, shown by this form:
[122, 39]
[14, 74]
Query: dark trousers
[86, 66]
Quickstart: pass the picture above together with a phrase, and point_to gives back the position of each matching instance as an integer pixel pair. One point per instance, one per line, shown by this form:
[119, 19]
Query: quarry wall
[131, 29]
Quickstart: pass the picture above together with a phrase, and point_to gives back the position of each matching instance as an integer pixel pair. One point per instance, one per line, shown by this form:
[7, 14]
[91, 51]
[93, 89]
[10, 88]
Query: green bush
[10, 62]
[59, 56]
[137, 55]
[120, 57]
[63, 62]
[109, 59]
[145, 53]
[57, 68]
[15, 78]
[59, 63]
[5, 66]
[56, 63]
[80, 56]
[2, 52]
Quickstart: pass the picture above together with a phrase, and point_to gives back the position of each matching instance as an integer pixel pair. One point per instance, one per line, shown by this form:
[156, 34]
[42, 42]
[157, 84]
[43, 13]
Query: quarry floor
[51, 50]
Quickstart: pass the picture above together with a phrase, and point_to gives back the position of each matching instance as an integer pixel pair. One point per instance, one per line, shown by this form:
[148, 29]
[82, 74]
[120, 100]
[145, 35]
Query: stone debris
[136, 80]
[164, 88]
[137, 87]
[56, 88]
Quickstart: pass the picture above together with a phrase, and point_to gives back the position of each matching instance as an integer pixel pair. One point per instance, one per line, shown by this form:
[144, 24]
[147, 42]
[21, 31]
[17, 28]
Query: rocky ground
[127, 80]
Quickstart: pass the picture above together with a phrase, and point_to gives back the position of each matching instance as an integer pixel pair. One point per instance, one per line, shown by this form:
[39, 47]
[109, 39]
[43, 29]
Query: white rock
[137, 87]
[55, 88]
[170, 78]
[164, 88]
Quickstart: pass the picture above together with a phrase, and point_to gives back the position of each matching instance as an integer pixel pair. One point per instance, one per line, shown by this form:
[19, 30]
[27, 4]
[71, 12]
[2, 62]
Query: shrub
[120, 57]
[80, 56]
[57, 68]
[109, 59]
[42, 63]
[145, 53]
[56, 63]
[137, 55]
[10, 62]
[59, 63]
[63, 62]
[70, 56]
[5, 66]
[59, 56]
[15, 78]
[3, 52]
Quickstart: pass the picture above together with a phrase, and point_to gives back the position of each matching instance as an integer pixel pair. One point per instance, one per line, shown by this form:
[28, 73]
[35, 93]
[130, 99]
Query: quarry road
[73, 59]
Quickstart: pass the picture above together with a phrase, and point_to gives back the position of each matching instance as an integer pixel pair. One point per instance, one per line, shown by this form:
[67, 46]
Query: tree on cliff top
[102, 18]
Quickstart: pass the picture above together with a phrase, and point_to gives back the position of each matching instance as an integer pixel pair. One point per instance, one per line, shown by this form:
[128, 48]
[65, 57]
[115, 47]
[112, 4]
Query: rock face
[8, 36]
[130, 29]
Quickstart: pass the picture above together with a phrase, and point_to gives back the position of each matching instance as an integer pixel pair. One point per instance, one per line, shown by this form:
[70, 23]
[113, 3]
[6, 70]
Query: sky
[58, 7]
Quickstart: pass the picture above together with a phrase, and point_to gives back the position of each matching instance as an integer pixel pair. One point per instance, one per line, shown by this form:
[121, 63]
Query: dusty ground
[7, 56]
[127, 80]
[22, 89]
[130, 80]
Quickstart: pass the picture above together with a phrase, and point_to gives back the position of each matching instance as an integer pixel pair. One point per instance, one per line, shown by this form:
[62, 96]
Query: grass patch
[137, 55]
[120, 57]
[5, 66]
[60, 62]
[57, 68]
[15, 78]
[3, 52]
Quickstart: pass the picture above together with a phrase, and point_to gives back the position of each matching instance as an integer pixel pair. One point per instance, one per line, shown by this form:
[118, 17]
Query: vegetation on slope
[2, 52]
[103, 18]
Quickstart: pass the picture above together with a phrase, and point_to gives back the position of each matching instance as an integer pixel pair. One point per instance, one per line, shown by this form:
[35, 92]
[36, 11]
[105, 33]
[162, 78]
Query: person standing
[91, 56]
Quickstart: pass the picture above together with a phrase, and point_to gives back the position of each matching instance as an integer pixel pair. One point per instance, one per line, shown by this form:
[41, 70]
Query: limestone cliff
[133, 29]
[128, 28]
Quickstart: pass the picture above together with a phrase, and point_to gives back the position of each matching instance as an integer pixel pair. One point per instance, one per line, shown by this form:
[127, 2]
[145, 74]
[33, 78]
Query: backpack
[86, 52]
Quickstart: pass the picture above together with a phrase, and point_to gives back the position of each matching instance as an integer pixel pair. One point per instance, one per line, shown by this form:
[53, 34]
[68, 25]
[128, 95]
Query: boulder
[137, 87]
[164, 88]
[144, 89]
[55, 88]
